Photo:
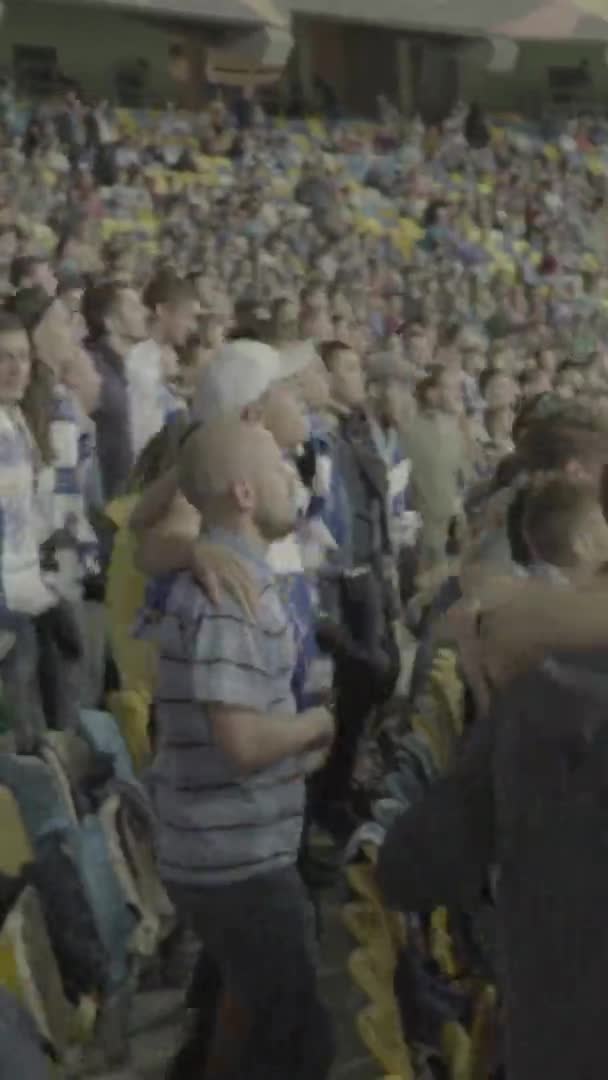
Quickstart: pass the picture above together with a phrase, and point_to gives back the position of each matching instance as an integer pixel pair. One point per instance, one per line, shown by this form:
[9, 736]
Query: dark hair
[160, 453]
[166, 288]
[98, 303]
[549, 446]
[550, 513]
[22, 267]
[30, 305]
[430, 382]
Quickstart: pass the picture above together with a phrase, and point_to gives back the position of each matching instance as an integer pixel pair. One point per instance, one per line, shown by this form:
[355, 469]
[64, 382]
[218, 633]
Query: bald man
[230, 767]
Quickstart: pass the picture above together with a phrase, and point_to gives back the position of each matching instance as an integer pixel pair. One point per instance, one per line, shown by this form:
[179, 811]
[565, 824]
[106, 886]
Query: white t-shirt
[151, 402]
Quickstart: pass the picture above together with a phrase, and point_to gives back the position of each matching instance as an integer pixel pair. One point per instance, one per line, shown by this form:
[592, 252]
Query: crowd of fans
[278, 399]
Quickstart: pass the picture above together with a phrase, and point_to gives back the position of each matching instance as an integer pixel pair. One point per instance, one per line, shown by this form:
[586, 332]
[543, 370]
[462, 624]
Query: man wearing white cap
[235, 383]
[247, 380]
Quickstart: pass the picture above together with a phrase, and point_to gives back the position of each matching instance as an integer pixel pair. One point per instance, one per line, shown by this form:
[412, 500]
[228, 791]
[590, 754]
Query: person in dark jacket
[529, 797]
[475, 128]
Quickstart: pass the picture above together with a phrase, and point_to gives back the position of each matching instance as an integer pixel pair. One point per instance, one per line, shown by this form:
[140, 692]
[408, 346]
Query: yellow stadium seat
[456, 1051]
[29, 971]
[380, 1031]
[442, 949]
[361, 879]
[15, 849]
[131, 709]
[483, 1033]
[372, 969]
[361, 919]
[135, 867]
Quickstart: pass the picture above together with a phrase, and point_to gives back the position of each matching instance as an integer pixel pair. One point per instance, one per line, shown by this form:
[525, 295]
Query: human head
[70, 291]
[212, 332]
[439, 391]
[388, 391]
[116, 311]
[579, 453]
[233, 473]
[8, 244]
[246, 379]
[306, 375]
[547, 361]
[314, 298]
[534, 383]
[15, 360]
[32, 272]
[346, 381]
[473, 361]
[571, 377]
[236, 381]
[285, 316]
[173, 308]
[564, 526]
[499, 422]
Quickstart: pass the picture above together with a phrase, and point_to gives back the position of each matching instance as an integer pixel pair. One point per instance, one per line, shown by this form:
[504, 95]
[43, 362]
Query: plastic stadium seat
[16, 850]
[380, 1032]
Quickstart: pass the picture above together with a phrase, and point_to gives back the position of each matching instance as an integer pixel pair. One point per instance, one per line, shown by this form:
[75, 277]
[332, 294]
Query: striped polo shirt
[217, 825]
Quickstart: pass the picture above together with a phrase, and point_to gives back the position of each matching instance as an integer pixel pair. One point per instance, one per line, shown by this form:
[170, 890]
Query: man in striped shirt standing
[230, 768]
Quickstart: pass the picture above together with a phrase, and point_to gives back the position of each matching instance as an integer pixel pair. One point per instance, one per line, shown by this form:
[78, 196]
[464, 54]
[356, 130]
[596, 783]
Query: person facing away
[228, 778]
[528, 797]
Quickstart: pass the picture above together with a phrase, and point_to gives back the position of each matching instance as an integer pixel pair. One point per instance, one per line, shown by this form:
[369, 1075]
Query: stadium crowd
[281, 403]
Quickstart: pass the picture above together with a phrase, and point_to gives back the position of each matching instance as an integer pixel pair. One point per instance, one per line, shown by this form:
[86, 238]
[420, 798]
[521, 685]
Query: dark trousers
[354, 704]
[260, 935]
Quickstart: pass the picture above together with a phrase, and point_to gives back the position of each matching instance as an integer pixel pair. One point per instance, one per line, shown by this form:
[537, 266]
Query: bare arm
[155, 502]
[169, 544]
[254, 741]
[174, 544]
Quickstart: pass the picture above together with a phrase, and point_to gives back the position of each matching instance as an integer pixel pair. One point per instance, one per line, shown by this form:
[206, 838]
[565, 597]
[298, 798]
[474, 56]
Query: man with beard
[229, 774]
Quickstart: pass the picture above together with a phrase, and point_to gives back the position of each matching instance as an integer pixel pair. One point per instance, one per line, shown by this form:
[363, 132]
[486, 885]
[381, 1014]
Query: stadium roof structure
[520, 19]
[246, 13]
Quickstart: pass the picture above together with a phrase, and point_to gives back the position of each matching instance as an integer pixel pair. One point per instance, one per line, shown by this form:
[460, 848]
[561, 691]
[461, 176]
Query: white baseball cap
[239, 374]
[297, 357]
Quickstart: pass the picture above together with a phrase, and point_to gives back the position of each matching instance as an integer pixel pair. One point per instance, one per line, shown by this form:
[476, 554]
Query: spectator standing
[230, 767]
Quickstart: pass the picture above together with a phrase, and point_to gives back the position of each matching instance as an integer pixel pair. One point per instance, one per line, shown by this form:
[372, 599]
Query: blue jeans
[258, 932]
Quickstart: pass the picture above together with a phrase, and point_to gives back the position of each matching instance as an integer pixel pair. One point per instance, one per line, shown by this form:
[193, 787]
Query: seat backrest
[40, 795]
[16, 849]
[103, 734]
[28, 970]
[114, 916]
[21, 1050]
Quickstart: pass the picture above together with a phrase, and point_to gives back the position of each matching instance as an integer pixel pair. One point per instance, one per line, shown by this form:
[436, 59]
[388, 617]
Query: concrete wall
[358, 61]
[527, 86]
[90, 44]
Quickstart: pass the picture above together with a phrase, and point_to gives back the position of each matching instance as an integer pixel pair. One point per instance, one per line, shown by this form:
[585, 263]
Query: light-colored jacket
[440, 464]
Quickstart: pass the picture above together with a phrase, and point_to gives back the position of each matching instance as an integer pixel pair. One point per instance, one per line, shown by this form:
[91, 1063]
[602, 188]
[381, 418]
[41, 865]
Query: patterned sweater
[22, 589]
